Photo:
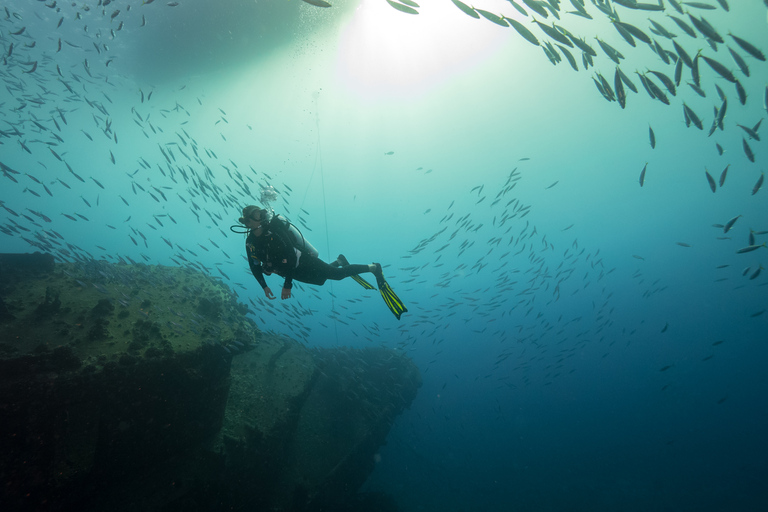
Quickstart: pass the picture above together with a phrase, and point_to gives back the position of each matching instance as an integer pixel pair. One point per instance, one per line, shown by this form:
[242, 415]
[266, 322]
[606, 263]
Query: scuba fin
[341, 261]
[391, 299]
[362, 282]
[393, 302]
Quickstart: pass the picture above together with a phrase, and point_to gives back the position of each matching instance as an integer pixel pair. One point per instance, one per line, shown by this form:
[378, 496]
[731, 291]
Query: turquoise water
[586, 343]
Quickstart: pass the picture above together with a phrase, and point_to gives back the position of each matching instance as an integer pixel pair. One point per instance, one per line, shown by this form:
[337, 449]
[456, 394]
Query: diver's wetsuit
[274, 252]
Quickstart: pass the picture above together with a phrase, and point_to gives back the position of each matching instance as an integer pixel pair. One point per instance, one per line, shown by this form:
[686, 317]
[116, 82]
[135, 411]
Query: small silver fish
[711, 181]
[730, 223]
[750, 248]
[758, 184]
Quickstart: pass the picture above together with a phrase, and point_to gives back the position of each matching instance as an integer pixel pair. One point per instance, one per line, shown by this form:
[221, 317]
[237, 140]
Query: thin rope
[319, 163]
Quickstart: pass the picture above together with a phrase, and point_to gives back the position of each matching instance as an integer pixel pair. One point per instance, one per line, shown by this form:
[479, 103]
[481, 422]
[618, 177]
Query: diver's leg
[340, 261]
[339, 273]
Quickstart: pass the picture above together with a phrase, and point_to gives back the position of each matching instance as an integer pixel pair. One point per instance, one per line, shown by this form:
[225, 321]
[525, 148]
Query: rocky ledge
[136, 387]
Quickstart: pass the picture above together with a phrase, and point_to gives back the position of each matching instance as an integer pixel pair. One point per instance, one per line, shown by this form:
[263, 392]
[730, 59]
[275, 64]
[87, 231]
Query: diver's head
[254, 218]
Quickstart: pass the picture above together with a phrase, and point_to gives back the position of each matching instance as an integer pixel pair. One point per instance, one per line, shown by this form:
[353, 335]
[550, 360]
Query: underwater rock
[302, 427]
[97, 383]
[117, 393]
[23, 262]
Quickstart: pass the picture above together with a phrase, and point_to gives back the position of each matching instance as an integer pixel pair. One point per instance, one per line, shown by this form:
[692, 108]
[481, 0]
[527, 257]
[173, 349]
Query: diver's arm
[290, 259]
[259, 275]
[286, 293]
[257, 271]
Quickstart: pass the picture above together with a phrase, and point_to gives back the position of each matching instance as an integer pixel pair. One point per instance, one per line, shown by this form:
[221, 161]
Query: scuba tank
[297, 238]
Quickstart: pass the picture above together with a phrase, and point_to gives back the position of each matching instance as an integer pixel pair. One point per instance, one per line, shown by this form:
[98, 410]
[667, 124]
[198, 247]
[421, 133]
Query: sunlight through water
[383, 50]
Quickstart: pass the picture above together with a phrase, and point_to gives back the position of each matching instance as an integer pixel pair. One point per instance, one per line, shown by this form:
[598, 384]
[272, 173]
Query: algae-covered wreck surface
[102, 311]
[126, 386]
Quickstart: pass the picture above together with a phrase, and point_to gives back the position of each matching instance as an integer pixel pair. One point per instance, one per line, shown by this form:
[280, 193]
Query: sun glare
[385, 51]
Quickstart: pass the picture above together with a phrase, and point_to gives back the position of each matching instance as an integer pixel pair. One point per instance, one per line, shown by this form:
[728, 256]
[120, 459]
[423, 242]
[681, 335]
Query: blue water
[586, 343]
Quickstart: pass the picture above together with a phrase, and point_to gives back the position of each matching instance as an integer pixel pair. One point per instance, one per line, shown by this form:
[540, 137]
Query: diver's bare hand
[268, 293]
[286, 293]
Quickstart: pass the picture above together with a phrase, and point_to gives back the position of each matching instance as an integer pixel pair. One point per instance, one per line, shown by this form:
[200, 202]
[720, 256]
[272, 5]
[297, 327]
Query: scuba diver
[274, 245]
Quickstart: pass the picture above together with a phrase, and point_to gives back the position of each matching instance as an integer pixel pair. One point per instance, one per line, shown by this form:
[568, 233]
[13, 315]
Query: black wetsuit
[274, 252]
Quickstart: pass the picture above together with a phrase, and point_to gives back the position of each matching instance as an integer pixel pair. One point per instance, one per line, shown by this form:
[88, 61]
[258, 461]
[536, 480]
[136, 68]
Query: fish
[667, 367]
[750, 248]
[750, 131]
[706, 29]
[711, 181]
[730, 223]
[668, 82]
[605, 88]
[756, 273]
[748, 47]
[721, 113]
[661, 52]
[518, 7]
[521, 29]
[625, 79]
[713, 128]
[572, 62]
[636, 32]
[683, 26]
[610, 51]
[642, 174]
[700, 5]
[739, 61]
[660, 30]
[537, 7]
[690, 114]
[758, 184]
[581, 44]
[623, 32]
[621, 94]
[555, 33]
[469, 11]
[408, 10]
[723, 175]
[720, 69]
[654, 90]
[765, 99]
[652, 137]
[748, 150]
[683, 58]
[741, 92]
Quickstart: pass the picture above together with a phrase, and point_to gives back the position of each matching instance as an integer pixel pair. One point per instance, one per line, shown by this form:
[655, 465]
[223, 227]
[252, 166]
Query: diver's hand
[268, 293]
[286, 293]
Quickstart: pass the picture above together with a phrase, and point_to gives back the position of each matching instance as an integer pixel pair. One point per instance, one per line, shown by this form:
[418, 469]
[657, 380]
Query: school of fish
[48, 107]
